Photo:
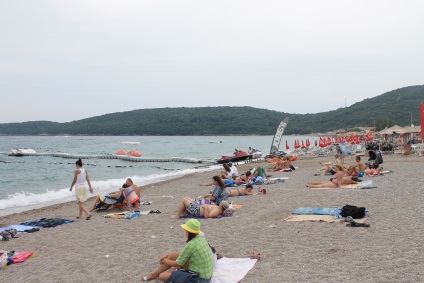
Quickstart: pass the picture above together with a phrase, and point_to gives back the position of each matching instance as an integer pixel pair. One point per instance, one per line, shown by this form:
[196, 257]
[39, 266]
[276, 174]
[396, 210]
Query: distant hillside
[390, 108]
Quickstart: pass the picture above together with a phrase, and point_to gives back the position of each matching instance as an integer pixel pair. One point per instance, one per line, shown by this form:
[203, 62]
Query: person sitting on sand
[196, 256]
[227, 173]
[132, 194]
[234, 171]
[220, 191]
[247, 191]
[259, 171]
[358, 169]
[194, 207]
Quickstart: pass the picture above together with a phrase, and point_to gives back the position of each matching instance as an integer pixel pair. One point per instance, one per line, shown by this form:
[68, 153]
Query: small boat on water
[238, 155]
[20, 151]
[134, 153]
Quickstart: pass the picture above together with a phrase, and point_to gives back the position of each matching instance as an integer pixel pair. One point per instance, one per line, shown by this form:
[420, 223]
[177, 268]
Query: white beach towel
[232, 269]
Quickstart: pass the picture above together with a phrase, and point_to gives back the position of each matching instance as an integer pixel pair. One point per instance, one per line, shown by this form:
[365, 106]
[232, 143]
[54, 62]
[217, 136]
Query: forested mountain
[394, 107]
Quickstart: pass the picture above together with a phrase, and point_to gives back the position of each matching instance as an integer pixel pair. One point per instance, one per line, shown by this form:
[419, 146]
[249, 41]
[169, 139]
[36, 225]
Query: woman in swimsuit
[333, 182]
[242, 191]
[193, 207]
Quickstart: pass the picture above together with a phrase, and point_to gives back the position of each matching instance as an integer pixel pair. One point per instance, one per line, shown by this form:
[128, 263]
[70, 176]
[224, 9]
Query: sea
[31, 182]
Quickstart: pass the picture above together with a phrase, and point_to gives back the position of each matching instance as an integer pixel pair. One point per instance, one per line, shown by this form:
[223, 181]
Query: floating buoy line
[122, 157]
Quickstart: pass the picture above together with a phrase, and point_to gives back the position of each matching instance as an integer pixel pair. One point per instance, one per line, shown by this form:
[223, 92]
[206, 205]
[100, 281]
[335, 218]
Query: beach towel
[21, 257]
[318, 218]
[124, 215]
[350, 186]
[21, 228]
[279, 178]
[380, 174]
[334, 211]
[199, 217]
[47, 222]
[275, 180]
[232, 208]
[232, 270]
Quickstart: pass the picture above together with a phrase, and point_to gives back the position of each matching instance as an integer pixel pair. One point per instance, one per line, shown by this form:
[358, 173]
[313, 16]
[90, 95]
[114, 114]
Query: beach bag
[353, 211]
[365, 184]
[183, 276]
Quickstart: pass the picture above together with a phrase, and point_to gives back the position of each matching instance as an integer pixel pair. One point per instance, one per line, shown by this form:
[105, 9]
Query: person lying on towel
[338, 180]
[247, 191]
[193, 207]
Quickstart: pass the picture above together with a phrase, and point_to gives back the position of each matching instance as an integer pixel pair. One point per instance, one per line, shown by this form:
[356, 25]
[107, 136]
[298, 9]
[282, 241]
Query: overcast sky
[67, 60]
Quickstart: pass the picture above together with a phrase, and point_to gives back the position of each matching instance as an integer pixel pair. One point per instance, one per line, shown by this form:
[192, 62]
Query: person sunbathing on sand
[247, 191]
[244, 178]
[193, 207]
[373, 171]
[335, 181]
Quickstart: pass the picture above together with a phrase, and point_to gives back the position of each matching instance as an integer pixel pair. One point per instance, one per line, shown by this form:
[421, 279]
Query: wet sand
[119, 250]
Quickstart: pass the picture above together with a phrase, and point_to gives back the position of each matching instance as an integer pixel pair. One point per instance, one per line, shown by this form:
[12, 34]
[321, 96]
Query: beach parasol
[287, 145]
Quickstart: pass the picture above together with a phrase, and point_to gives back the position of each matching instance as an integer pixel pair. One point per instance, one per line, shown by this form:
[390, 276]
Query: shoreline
[71, 198]
[120, 250]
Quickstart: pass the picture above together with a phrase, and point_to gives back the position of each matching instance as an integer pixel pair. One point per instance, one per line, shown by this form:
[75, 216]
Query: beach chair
[106, 202]
[359, 150]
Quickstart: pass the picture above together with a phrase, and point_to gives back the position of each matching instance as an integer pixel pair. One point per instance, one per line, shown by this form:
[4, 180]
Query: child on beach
[80, 178]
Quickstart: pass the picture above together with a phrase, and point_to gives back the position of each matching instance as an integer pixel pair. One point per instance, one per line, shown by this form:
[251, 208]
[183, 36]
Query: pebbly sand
[391, 250]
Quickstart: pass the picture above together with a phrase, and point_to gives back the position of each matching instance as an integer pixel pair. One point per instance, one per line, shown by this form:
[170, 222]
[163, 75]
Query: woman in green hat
[196, 256]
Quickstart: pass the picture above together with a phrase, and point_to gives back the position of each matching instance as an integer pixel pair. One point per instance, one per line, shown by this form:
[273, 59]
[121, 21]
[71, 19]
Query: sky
[67, 60]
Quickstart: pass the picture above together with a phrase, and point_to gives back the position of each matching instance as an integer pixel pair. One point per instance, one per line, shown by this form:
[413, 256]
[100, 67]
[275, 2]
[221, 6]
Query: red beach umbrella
[287, 145]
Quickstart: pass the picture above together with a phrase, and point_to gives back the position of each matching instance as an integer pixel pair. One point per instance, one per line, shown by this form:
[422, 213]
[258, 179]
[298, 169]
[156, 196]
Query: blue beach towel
[48, 222]
[335, 211]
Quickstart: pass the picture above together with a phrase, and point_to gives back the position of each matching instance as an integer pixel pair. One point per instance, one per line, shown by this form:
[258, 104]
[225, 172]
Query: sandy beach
[119, 250]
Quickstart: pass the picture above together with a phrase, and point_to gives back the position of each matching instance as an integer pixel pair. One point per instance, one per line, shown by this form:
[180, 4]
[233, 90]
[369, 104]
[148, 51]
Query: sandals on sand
[255, 255]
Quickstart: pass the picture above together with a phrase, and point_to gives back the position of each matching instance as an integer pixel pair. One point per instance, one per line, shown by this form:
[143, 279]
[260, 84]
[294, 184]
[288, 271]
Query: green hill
[390, 108]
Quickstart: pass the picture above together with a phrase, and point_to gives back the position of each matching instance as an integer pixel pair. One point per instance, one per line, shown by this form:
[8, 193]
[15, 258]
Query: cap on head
[192, 226]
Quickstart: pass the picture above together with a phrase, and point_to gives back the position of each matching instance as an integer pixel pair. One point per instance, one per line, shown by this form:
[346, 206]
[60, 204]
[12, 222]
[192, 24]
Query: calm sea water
[36, 181]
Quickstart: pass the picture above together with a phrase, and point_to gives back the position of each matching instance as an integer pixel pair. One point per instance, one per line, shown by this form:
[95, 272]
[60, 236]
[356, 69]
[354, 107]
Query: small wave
[23, 201]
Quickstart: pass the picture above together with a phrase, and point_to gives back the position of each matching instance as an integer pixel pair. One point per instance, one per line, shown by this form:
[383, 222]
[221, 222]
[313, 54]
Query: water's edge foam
[24, 201]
